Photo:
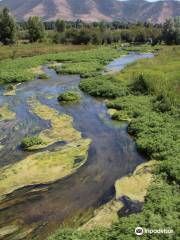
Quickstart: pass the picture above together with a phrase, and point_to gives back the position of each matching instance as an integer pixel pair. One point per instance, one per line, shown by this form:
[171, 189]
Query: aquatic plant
[103, 86]
[69, 97]
[30, 141]
[43, 76]
[46, 166]
[6, 113]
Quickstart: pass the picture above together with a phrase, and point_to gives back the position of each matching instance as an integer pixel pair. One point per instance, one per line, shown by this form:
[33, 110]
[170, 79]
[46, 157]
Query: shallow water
[118, 64]
[112, 153]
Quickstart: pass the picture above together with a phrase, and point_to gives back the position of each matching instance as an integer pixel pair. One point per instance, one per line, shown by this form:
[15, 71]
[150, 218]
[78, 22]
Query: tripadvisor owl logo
[139, 231]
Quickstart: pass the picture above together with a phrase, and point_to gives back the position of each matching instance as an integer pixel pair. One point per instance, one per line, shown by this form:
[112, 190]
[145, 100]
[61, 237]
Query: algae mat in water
[6, 113]
[47, 166]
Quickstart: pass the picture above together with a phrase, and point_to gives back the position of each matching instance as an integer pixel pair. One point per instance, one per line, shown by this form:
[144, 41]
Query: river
[111, 156]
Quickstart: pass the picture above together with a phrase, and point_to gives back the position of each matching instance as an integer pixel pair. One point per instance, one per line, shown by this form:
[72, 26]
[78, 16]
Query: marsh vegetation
[144, 95]
[69, 97]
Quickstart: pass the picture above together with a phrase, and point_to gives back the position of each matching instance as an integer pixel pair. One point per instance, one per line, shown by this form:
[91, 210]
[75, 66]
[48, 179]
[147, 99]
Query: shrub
[69, 97]
[103, 86]
[30, 141]
[162, 103]
[140, 85]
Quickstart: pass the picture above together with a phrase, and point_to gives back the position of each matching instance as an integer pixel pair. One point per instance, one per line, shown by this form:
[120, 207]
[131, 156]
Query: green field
[84, 62]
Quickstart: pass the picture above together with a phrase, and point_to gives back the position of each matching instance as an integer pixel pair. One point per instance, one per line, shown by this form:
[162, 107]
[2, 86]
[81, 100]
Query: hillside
[94, 10]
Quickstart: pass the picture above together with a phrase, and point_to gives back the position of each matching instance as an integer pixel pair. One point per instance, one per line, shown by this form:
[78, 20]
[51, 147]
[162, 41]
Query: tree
[177, 30]
[36, 29]
[8, 27]
[60, 25]
[171, 31]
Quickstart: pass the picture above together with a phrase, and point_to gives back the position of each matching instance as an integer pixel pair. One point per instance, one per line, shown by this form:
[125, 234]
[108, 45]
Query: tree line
[78, 32]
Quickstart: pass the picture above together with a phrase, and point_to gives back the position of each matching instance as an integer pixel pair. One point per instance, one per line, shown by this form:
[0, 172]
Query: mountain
[94, 10]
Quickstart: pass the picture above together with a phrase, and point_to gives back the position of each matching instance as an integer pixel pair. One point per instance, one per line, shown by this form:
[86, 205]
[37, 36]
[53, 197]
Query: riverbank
[149, 100]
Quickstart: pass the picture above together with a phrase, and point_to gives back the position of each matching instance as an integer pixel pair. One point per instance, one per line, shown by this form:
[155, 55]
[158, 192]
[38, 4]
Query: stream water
[112, 153]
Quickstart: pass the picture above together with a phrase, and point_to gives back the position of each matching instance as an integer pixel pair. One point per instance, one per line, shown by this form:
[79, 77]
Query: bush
[170, 169]
[103, 86]
[140, 85]
[69, 97]
[31, 141]
[162, 104]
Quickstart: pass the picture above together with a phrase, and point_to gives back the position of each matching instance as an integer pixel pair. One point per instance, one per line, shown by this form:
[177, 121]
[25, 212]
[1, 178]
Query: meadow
[83, 62]
[29, 50]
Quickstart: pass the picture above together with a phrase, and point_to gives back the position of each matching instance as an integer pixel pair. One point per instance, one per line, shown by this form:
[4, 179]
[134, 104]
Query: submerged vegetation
[6, 113]
[61, 126]
[46, 166]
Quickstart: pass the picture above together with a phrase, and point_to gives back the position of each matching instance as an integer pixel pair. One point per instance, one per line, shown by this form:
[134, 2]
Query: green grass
[83, 62]
[30, 50]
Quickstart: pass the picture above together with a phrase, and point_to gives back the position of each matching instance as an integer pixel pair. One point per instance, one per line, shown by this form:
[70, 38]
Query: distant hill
[94, 10]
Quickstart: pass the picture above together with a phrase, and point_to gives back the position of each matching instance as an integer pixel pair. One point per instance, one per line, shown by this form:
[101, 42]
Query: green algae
[136, 185]
[61, 125]
[10, 90]
[104, 216]
[6, 113]
[47, 166]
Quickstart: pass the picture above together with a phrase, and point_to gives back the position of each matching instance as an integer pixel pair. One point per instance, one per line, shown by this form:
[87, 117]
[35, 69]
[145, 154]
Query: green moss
[69, 97]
